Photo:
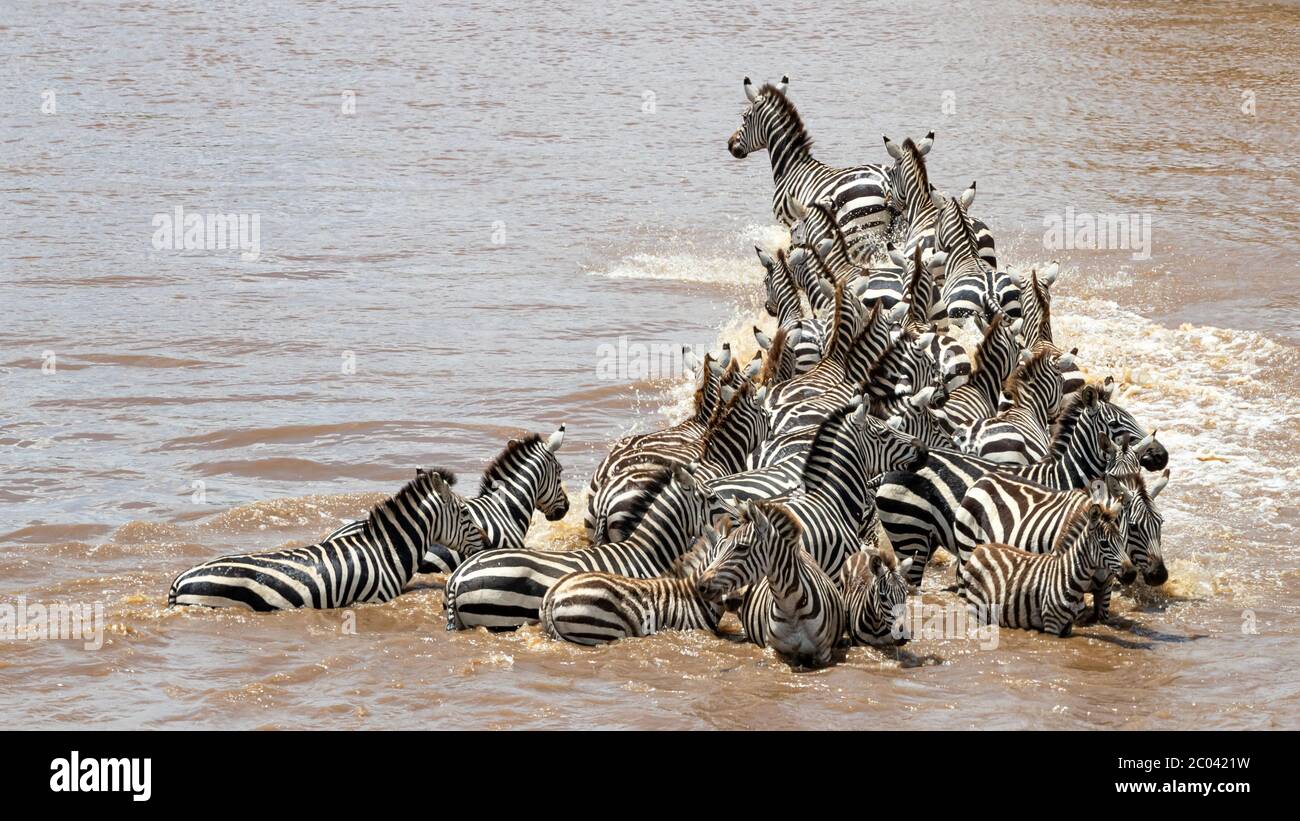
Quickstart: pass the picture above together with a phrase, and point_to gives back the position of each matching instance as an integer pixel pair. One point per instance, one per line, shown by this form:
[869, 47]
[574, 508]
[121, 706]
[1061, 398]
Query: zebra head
[1036, 302]
[778, 285]
[1144, 526]
[875, 592]
[766, 534]
[1151, 454]
[528, 474]
[949, 356]
[448, 521]
[909, 182]
[767, 107]
[1107, 536]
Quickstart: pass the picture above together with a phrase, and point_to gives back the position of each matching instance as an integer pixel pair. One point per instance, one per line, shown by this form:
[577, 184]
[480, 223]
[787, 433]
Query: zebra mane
[829, 216]
[917, 157]
[917, 309]
[799, 140]
[1068, 419]
[964, 226]
[716, 416]
[1015, 382]
[786, 275]
[785, 522]
[498, 464]
[1044, 306]
[409, 495]
[977, 356]
[655, 485]
[772, 360]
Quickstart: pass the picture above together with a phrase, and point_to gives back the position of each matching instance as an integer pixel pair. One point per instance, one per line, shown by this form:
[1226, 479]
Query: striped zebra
[908, 167]
[778, 356]
[919, 507]
[1020, 434]
[595, 607]
[370, 562]
[793, 606]
[816, 226]
[995, 358]
[970, 287]
[1151, 454]
[770, 121]
[1045, 591]
[875, 596]
[738, 428]
[503, 589]
[783, 303]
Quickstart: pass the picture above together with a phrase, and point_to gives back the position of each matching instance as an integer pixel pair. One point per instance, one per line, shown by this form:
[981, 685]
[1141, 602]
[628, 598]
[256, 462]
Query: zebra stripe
[792, 605]
[1044, 591]
[875, 596]
[784, 304]
[918, 508]
[362, 562]
[770, 121]
[503, 589]
[1021, 434]
[594, 607]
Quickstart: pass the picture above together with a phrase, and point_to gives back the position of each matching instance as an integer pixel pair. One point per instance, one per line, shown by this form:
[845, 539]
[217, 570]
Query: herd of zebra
[808, 488]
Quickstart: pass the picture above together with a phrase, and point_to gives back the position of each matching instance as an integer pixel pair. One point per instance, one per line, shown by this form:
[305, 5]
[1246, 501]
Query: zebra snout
[734, 146]
[1156, 457]
[1156, 576]
[1128, 574]
[558, 512]
[710, 588]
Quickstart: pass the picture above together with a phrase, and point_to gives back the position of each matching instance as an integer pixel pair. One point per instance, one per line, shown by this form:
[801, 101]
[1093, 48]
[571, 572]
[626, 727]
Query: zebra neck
[788, 307]
[661, 534]
[788, 156]
[405, 545]
[786, 576]
[1077, 566]
[516, 499]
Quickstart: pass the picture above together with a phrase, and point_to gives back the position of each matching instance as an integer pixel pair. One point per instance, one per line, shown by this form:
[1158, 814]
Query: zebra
[1028, 516]
[595, 607]
[778, 356]
[370, 561]
[816, 226]
[1045, 591]
[875, 596]
[792, 605]
[736, 431]
[918, 507]
[1151, 454]
[970, 287]
[784, 305]
[770, 121]
[1020, 434]
[995, 358]
[902, 174]
[503, 589]
[523, 476]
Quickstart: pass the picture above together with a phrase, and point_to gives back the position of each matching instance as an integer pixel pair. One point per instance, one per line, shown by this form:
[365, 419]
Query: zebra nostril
[1157, 576]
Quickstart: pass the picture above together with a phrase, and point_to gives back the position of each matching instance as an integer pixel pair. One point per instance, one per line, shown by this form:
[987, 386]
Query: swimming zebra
[875, 596]
[595, 607]
[905, 195]
[919, 507]
[1020, 434]
[1151, 454]
[970, 287]
[770, 121]
[995, 358]
[793, 606]
[370, 562]
[784, 305]
[1045, 591]
[503, 589]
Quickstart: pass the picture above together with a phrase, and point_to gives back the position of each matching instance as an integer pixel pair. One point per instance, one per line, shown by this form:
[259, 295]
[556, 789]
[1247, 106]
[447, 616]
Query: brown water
[503, 201]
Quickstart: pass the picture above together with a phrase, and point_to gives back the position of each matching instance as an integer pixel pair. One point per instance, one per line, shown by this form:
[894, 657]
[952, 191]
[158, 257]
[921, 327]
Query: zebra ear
[1145, 443]
[895, 422]
[689, 359]
[764, 341]
[750, 93]
[765, 258]
[826, 290]
[936, 199]
[825, 247]
[1066, 362]
[785, 82]
[896, 257]
[725, 359]
[1159, 484]
[557, 439]
[755, 366]
[923, 341]
[937, 260]
[797, 256]
[1108, 388]
[967, 196]
[761, 395]
[892, 148]
[727, 393]
[1048, 276]
[925, 143]
[1025, 356]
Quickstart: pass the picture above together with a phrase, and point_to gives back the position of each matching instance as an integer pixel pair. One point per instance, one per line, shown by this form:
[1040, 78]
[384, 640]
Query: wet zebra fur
[503, 589]
[595, 607]
[784, 304]
[770, 121]
[370, 561]
[798, 611]
[875, 590]
[1020, 434]
[1045, 591]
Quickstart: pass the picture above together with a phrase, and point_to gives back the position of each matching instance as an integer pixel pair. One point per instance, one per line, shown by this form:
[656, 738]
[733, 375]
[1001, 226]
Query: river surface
[460, 204]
